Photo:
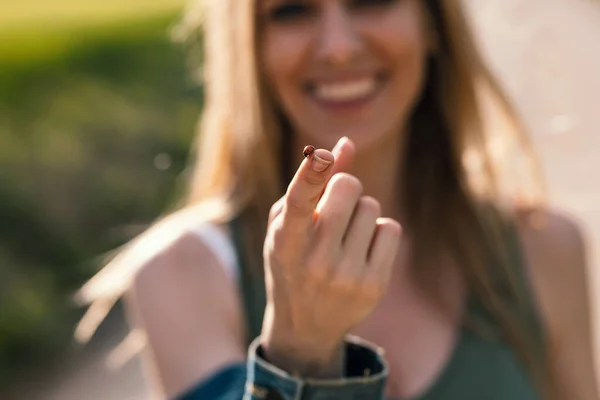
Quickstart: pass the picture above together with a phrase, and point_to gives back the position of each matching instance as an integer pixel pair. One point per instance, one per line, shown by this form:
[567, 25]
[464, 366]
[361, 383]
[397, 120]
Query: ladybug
[308, 150]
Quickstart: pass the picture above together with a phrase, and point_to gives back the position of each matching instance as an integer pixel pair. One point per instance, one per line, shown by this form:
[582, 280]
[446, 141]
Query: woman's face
[344, 67]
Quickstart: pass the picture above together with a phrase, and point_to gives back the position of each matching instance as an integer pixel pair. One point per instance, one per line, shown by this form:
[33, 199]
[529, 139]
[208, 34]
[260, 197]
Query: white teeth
[346, 91]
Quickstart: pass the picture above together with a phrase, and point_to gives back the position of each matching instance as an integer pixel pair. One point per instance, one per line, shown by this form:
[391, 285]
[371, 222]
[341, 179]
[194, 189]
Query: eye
[289, 11]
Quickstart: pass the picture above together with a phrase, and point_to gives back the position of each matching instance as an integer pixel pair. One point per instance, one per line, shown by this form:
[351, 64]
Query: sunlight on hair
[192, 20]
[510, 151]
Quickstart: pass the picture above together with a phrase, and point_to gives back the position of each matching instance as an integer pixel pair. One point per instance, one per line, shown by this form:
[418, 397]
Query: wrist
[318, 359]
[306, 353]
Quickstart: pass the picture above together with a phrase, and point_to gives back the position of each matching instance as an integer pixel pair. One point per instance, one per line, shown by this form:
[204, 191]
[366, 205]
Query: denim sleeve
[365, 378]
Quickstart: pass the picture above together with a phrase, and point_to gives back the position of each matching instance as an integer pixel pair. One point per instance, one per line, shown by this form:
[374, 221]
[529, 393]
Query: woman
[476, 298]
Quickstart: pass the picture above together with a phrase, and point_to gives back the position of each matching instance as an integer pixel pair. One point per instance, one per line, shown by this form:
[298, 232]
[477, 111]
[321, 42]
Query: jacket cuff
[365, 378]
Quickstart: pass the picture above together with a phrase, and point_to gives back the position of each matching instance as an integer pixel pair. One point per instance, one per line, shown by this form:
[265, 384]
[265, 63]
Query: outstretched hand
[328, 259]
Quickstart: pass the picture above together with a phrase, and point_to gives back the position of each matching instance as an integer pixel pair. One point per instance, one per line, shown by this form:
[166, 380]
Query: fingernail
[338, 146]
[319, 164]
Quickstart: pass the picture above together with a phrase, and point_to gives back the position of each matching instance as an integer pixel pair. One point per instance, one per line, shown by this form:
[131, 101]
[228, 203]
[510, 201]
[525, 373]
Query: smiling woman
[352, 68]
[287, 276]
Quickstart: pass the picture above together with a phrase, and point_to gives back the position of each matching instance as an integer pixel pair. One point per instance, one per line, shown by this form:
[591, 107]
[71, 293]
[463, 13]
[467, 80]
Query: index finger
[306, 187]
[344, 153]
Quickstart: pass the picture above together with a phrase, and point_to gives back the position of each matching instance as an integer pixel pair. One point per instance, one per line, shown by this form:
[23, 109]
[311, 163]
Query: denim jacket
[365, 378]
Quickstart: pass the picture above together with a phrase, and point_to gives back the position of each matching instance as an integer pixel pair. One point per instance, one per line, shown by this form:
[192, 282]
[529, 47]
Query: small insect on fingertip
[308, 150]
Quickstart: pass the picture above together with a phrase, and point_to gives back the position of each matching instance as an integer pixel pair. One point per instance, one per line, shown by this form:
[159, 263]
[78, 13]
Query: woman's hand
[328, 259]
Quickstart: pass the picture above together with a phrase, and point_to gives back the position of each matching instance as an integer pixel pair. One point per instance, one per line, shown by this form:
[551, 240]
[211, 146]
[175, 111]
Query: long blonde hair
[464, 134]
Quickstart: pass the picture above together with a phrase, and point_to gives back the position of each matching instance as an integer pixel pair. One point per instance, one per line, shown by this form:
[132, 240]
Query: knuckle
[273, 213]
[275, 209]
[369, 205]
[332, 212]
[347, 184]
[310, 178]
[314, 179]
[295, 207]
[332, 216]
[344, 283]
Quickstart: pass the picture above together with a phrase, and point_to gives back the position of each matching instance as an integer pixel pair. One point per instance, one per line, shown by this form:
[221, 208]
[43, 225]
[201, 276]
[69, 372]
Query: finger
[383, 251]
[336, 207]
[359, 236]
[344, 153]
[305, 190]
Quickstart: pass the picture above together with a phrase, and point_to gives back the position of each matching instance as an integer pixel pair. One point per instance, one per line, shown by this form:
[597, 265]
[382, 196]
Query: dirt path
[548, 54]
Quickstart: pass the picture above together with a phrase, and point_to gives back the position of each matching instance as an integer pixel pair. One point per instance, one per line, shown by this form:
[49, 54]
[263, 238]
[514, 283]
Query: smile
[347, 91]
[344, 93]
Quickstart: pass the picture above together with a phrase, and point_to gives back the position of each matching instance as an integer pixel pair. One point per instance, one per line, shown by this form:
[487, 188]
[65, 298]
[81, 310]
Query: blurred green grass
[34, 29]
[97, 115]
[22, 15]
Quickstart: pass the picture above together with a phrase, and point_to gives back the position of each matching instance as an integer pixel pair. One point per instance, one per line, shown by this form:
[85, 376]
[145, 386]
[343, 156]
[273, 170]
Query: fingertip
[391, 224]
[345, 144]
[342, 145]
[344, 153]
[349, 143]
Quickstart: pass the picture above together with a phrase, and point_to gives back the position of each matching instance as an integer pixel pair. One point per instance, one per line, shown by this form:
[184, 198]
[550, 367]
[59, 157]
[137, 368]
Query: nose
[338, 41]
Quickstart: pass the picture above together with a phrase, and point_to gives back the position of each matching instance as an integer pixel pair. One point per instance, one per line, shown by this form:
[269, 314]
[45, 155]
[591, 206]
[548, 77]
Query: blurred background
[97, 112]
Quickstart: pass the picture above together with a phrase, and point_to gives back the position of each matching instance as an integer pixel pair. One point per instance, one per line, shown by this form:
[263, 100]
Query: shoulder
[555, 253]
[545, 226]
[554, 249]
[184, 257]
[179, 247]
[185, 270]
[189, 281]
[189, 308]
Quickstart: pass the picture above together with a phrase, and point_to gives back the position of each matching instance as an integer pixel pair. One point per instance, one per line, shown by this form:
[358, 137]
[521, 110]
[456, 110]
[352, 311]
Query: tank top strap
[531, 312]
[221, 245]
[527, 312]
[251, 284]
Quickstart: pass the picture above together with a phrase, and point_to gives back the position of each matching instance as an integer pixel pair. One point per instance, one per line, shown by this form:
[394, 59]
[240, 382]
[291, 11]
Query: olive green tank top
[479, 368]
